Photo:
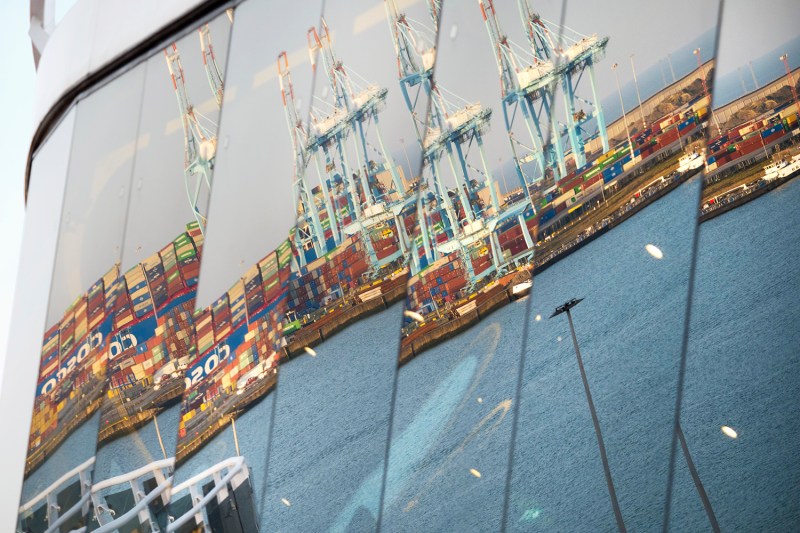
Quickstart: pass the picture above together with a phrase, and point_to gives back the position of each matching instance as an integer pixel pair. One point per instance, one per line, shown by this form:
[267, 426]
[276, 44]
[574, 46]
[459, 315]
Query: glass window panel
[461, 340]
[596, 411]
[337, 399]
[160, 265]
[736, 464]
[82, 295]
[226, 410]
[42, 217]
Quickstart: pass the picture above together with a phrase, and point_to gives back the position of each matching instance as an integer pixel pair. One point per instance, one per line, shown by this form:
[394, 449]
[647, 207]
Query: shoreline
[499, 296]
[749, 197]
[685, 177]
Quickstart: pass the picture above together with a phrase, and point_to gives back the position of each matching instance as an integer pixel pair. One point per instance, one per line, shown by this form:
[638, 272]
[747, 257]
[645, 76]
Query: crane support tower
[200, 141]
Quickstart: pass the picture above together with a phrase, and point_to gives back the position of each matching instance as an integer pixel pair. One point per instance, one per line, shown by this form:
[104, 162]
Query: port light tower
[199, 139]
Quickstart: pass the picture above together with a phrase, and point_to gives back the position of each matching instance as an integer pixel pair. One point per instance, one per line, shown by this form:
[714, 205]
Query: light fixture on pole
[408, 161]
[638, 96]
[503, 174]
[624, 118]
[565, 308]
[785, 59]
[696, 52]
[672, 70]
[753, 74]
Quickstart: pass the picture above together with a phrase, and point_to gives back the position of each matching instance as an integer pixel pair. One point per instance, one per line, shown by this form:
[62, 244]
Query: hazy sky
[18, 87]
[751, 29]
[764, 43]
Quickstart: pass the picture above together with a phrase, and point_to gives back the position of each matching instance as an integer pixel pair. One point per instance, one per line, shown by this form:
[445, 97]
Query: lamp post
[697, 54]
[741, 80]
[408, 161]
[753, 74]
[661, 69]
[565, 308]
[503, 174]
[672, 70]
[785, 59]
[638, 96]
[624, 118]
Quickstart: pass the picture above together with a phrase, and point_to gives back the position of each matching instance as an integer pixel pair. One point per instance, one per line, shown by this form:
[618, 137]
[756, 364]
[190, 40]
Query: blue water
[453, 415]
[330, 430]
[629, 328]
[252, 430]
[743, 369]
[137, 449]
[76, 449]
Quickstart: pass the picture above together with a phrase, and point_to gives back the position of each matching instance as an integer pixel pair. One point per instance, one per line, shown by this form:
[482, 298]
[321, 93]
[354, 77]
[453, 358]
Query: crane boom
[309, 232]
[200, 142]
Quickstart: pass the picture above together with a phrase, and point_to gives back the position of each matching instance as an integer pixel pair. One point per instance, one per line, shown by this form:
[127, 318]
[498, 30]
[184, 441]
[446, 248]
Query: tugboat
[521, 285]
[691, 161]
[781, 169]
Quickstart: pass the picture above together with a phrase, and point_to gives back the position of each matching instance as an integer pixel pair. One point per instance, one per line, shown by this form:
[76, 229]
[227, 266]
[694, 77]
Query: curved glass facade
[417, 266]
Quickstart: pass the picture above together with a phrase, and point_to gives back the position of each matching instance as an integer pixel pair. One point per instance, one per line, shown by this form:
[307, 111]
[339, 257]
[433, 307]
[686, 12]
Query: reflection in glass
[735, 456]
[43, 215]
[226, 407]
[159, 269]
[598, 390]
[79, 338]
[460, 344]
[350, 243]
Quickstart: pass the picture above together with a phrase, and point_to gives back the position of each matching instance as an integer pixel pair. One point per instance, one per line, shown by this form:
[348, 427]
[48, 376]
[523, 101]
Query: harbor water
[629, 329]
[743, 370]
[330, 430]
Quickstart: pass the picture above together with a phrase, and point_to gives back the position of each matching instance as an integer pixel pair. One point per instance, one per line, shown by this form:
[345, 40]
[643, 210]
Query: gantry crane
[200, 141]
[354, 109]
[309, 233]
[213, 72]
[527, 90]
[448, 133]
[577, 54]
[557, 56]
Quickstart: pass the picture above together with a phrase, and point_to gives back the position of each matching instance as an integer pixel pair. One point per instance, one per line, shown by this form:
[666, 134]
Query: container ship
[239, 341]
[153, 334]
[72, 373]
[73, 368]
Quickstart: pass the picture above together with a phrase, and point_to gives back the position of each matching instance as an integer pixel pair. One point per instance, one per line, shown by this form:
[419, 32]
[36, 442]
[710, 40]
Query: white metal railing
[160, 470]
[54, 518]
[232, 471]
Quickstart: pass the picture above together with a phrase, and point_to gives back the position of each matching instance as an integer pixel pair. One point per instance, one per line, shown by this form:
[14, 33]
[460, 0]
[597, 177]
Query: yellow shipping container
[138, 371]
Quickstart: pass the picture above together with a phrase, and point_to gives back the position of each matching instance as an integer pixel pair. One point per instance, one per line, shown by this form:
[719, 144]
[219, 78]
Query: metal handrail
[54, 485]
[134, 511]
[235, 465]
[146, 469]
[142, 504]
